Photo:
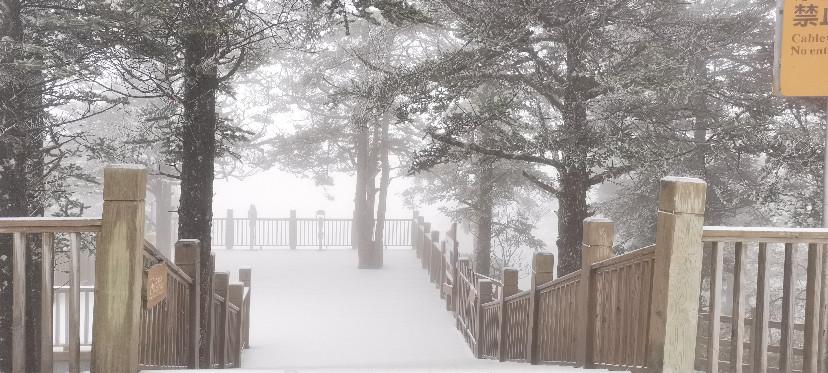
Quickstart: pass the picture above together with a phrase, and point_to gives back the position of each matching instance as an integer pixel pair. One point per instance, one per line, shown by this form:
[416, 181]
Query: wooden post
[236, 298]
[433, 251]
[426, 245]
[163, 222]
[246, 278]
[419, 233]
[455, 275]
[458, 307]
[596, 246]
[229, 230]
[221, 282]
[119, 271]
[510, 287]
[484, 295]
[442, 282]
[188, 258]
[252, 217]
[414, 228]
[543, 267]
[292, 231]
[676, 275]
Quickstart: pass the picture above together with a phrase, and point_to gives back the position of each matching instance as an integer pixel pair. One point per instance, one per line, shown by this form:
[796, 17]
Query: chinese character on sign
[806, 15]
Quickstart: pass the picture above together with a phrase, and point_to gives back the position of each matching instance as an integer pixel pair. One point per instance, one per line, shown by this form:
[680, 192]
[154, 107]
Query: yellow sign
[155, 285]
[803, 48]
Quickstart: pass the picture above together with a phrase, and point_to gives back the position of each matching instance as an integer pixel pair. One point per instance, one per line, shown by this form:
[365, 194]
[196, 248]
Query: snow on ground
[314, 311]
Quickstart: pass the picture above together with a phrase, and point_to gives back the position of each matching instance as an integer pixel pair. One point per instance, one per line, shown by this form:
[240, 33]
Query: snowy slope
[314, 311]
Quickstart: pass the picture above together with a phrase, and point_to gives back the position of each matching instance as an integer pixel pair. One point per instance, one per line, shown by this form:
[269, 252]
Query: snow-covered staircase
[314, 311]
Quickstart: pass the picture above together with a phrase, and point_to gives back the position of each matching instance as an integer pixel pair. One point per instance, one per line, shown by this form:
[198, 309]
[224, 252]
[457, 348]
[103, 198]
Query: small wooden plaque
[155, 285]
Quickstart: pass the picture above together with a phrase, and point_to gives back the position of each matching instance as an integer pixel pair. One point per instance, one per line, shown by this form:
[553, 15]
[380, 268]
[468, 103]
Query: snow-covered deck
[314, 311]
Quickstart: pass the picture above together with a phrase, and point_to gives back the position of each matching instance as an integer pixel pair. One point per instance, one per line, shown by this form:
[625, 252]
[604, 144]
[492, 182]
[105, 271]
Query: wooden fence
[640, 311]
[128, 332]
[788, 336]
[292, 232]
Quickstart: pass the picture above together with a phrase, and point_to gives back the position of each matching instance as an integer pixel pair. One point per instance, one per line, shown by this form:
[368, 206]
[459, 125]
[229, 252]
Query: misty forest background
[492, 108]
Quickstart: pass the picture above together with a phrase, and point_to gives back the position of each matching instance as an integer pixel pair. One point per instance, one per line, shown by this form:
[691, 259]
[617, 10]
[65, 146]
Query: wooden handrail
[153, 252]
[620, 260]
[765, 234]
[49, 225]
[574, 276]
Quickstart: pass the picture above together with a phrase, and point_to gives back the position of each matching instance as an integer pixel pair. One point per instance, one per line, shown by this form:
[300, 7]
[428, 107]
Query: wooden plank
[484, 294]
[786, 364]
[646, 303]
[19, 303]
[74, 304]
[738, 324]
[502, 329]
[628, 352]
[766, 234]
[635, 301]
[609, 318]
[47, 301]
[715, 308]
[812, 294]
[49, 225]
[760, 319]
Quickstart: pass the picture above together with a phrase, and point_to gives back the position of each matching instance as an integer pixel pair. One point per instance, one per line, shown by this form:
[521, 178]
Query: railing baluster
[785, 343]
[74, 304]
[738, 318]
[759, 345]
[812, 293]
[46, 299]
[19, 303]
[715, 308]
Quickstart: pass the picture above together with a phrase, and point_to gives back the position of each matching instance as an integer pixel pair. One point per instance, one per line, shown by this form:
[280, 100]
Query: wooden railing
[168, 331]
[541, 325]
[292, 232]
[789, 263]
[229, 323]
[639, 311]
[128, 333]
[40, 234]
[623, 287]
[62, 310]
[556, 331]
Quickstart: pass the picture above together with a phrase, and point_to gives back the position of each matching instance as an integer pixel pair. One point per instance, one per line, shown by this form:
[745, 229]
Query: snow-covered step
[314, 311]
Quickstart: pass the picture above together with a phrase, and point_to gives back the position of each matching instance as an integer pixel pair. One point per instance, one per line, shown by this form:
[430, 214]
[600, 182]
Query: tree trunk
[703, 122]
[385, 181]
[21, 176]
[485, 202]
[573, 181]
[572, 210]
[363, 214]
[199, 145]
